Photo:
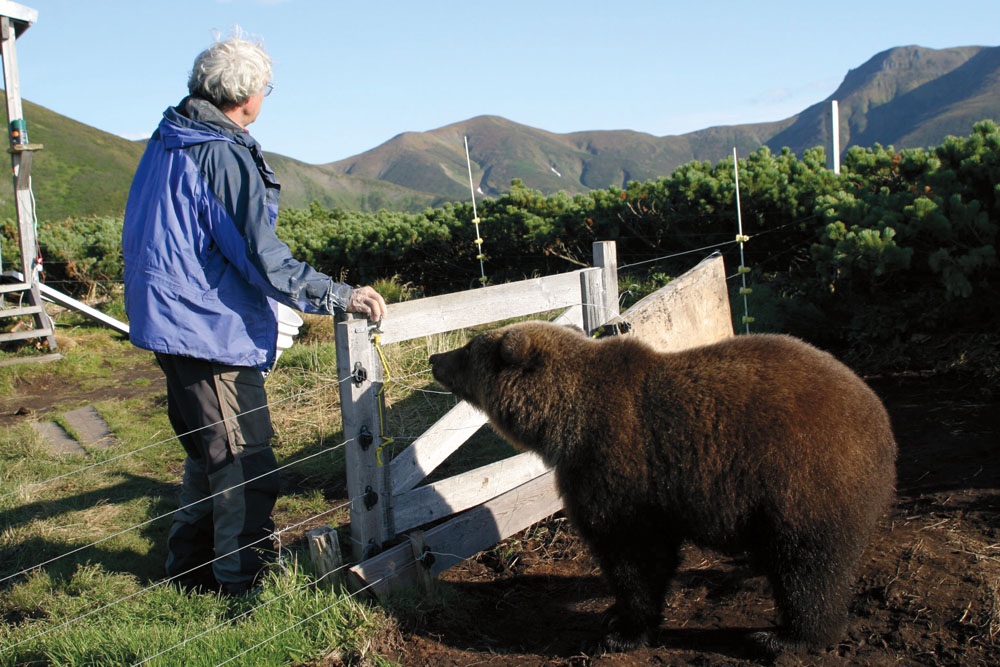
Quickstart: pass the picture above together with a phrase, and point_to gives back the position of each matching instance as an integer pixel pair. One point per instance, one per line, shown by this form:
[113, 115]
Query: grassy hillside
[502, 150]
[302, 183]
[80, 171]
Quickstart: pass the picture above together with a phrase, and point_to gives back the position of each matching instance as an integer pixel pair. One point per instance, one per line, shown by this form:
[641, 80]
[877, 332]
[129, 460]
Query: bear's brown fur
[759, 444]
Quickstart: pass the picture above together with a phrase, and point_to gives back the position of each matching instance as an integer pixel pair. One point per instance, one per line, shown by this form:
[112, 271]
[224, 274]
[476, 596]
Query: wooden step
[15, 287]
[31, 360]
[17, 312]
[27, 333]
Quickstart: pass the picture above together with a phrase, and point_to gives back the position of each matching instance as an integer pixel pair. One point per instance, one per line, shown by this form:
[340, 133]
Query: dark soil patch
[928, 592]
[36, 400]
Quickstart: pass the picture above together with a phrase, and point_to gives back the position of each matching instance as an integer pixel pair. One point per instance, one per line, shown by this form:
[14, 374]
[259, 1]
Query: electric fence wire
[287, 398]
[166, 514]
[170, 439]
[385, 577]
[246, 613]
[274, 535]
[677, 254]
[300, 622]
[172, 577]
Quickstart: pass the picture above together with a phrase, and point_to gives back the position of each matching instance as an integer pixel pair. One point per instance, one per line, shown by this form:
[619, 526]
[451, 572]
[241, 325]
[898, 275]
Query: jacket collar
[195, 121]
[203, 111]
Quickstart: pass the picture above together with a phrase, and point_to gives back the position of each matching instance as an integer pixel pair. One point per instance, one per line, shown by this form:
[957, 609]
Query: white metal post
[834, 161]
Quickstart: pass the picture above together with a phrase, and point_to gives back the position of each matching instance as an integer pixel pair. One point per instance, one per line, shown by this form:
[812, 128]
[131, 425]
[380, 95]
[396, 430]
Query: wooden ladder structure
[14, 20]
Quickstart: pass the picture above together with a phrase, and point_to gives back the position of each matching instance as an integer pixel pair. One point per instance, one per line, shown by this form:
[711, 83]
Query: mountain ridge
[907, 96]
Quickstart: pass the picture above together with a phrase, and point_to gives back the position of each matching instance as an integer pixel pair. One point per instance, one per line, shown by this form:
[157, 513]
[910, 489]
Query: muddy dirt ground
[928, 591]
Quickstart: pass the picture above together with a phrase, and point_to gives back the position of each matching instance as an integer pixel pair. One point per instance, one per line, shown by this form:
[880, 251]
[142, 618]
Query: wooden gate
[502, 498]
[507, 496]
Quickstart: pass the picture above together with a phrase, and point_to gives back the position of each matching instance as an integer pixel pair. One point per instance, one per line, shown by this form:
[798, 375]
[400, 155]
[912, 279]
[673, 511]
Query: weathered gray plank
[447, 312]
[592, 291]
[26, 333]
[23, 16]
[456, 494]
[606, 258]
[31, 360]
[92, 430]
[465, 535]
[58, 440]
[361, 406]
[427, 452]
[17, 312]
[690, 310]
[69, 302]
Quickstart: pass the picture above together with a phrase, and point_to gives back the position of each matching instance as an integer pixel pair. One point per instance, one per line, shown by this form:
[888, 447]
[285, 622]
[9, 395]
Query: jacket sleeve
[241, 223]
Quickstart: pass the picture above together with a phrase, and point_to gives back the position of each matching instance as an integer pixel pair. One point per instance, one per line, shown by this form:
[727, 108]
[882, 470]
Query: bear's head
[515, 374]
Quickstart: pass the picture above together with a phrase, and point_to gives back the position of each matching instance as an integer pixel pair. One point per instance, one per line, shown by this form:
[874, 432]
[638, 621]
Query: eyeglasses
[268, 88]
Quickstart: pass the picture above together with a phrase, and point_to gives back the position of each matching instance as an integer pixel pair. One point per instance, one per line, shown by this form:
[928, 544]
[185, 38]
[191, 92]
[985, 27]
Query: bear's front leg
[638, 569]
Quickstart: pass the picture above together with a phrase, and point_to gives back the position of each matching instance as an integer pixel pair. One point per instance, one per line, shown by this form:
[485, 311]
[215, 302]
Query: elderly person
[204, 272]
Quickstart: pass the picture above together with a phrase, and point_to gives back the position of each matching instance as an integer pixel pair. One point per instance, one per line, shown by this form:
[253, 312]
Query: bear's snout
[442, 368]
[435, 360]
[451, 371]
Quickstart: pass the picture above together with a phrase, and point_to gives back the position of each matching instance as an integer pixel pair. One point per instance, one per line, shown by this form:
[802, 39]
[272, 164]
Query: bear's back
[772, 419]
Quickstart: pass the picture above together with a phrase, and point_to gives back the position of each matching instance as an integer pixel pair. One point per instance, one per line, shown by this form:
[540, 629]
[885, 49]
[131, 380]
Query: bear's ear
[515, 348]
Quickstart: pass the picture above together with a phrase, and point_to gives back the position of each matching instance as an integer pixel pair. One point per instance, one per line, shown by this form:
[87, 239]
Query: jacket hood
[195, 121]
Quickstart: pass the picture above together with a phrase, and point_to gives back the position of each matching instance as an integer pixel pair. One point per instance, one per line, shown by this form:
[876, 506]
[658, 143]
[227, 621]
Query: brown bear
[759, 444]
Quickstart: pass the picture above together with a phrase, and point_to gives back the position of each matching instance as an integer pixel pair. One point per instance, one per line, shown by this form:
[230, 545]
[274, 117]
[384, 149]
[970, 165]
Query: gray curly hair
[230, 71]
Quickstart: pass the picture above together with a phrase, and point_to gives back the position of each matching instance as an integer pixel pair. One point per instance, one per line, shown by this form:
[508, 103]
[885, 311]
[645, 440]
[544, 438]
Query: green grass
[112, 518]
[289, 621]
[83, 538]
[102, 519]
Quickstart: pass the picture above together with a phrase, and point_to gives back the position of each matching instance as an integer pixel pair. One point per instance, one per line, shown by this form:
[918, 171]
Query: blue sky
[351, 75]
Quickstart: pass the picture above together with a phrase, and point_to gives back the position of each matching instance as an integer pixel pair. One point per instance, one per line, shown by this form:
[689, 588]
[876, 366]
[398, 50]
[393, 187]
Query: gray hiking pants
[221, 535]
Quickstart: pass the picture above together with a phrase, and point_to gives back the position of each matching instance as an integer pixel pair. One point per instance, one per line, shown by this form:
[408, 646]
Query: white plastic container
[289, 322]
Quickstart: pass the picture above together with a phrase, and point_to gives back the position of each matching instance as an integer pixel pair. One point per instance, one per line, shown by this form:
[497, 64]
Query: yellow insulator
[746, 290]
[743, 269]
[747, 319]
[478, 242]
[742, 238]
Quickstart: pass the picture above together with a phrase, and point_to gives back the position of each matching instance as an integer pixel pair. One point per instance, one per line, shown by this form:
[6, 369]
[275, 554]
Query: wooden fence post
[606, 258]
[359, 371]
[324, 550]
[592, 295]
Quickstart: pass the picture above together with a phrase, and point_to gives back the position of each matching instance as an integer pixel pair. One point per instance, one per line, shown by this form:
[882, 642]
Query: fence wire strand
[298, 623]
[170, 439]
[229, 621]
[172, 577]
[166, 514]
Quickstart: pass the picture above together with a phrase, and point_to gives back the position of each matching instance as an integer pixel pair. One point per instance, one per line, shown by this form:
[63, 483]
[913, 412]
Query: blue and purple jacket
[203, 265]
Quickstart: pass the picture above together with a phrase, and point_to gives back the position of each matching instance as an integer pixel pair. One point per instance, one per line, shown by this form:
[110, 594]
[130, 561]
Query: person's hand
[367, 301]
